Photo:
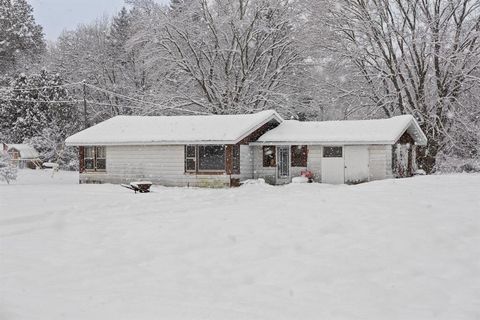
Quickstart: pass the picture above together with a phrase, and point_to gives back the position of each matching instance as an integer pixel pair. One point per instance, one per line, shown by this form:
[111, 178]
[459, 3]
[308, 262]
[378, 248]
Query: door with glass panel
[283, 164]
[333, 165]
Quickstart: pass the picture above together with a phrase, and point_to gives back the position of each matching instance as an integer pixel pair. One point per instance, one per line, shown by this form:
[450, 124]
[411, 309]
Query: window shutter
[81, 159]
[236, 159]
[229, 159]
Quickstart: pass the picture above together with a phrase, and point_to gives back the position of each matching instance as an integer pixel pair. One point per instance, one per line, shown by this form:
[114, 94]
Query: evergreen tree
[21, 38]
[119, 32]
[37, 102]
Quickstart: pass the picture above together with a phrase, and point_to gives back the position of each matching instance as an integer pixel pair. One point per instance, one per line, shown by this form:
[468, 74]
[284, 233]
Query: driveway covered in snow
[393, 249]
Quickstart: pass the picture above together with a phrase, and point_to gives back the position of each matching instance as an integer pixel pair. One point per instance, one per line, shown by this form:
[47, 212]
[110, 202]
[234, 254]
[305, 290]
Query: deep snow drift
[395, 249]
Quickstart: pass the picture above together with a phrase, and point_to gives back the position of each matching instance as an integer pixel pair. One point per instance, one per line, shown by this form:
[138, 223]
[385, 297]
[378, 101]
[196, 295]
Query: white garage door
[333, 165]
[356, 164]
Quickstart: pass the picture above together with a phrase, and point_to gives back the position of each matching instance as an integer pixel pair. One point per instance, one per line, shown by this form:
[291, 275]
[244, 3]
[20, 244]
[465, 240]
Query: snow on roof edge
[344, 132]
[237, 134]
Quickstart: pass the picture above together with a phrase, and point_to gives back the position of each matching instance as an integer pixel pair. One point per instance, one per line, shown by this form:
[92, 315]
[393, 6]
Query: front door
[333, 165]
[283, 164]
[356, 164]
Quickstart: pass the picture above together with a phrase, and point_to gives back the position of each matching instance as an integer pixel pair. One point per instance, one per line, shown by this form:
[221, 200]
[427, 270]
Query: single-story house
[223, 150]
[23, 155]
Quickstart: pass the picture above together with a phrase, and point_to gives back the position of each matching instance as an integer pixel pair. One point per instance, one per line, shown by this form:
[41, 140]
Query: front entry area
[333, 165]
[283, 164]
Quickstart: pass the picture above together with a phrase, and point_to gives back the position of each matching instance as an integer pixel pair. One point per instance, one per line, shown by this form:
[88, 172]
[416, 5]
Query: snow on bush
[8, 171]
[450, 164]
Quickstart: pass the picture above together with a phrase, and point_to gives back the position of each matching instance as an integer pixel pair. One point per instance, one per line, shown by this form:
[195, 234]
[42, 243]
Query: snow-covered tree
[8, 171]
[50, 143]
[97, 53]
[37, 102]
[223, 56]
[417, 57]
[21, 38]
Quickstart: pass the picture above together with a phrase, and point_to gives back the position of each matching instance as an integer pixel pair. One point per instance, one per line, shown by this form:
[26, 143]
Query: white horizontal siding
[160, 164]
[380, 162]
[246, 162]
[314, 162]
[259, 171]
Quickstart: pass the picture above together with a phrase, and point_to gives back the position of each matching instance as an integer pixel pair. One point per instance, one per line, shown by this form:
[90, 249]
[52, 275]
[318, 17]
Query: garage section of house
[224, 150]
[337, 152]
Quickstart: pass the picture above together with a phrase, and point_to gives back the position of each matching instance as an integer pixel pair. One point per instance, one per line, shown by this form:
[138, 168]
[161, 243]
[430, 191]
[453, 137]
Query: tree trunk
[427, 155]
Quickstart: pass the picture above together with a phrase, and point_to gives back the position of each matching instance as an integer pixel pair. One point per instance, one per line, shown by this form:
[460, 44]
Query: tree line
[307, 59]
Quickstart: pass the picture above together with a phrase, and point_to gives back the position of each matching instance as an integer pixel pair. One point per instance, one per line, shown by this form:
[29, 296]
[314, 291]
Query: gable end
[259, 132]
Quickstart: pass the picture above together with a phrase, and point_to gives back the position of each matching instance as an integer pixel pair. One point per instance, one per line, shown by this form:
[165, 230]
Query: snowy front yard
[395, 249]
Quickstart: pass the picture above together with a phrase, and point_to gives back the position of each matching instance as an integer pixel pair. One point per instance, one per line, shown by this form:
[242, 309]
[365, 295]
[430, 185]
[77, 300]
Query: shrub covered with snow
[8, 171]
[450, 164]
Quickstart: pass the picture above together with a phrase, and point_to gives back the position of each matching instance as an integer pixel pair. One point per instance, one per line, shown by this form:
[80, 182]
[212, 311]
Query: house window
[332, 152]
[211, 158]
[299, 156]
[95, 158]
[269, 156]
[100, 158]
[205, 158]
[190, 159]
[89, 158]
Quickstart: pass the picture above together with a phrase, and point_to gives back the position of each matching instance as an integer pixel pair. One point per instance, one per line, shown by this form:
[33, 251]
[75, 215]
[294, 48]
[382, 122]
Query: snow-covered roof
[131, 130]
[26, 151]
[380, 131]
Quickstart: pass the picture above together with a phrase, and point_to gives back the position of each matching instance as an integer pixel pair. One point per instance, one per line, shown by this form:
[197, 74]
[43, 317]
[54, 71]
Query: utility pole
[85, 120]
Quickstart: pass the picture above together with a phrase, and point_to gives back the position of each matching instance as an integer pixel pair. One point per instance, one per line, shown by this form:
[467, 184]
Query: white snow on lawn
[395, 249]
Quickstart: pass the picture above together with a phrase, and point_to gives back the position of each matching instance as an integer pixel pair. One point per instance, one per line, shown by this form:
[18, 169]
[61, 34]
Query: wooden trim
[406, 138]
[236, 159]
[206, 173]
[229, 159]
[81, 159]
[259, 132]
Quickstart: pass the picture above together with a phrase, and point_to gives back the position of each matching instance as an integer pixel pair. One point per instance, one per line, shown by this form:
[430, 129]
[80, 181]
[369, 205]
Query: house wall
[314, 164]
[162, 165]
[380, 162]
[165, 165]
[259, 171]
[246, 162]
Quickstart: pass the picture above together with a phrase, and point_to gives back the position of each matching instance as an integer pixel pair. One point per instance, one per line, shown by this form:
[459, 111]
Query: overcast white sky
[56, 15]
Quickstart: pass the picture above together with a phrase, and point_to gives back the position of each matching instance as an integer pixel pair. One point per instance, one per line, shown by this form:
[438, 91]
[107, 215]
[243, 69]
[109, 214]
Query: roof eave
[146, 143]
[326, 143]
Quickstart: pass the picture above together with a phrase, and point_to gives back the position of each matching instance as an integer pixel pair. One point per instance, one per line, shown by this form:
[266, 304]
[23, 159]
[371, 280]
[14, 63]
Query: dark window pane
[89, 164]
[190, 164]
[211, 157]
[299, 156]
[190, 153]
[269, 156]
[101, 164]
[332, 152]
